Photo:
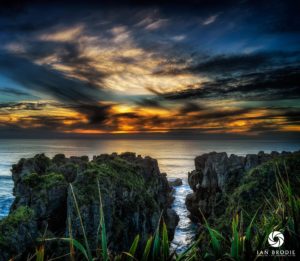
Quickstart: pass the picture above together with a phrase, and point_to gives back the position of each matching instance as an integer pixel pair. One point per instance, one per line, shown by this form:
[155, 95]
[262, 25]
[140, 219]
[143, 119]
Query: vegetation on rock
[262, 199]
[134, 194]
[16, 230]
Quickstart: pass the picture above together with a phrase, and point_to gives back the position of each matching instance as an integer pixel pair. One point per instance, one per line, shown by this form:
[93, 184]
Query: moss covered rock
[41, 188]
[17, 232]
[223, 184]
[134, 194]
[259, 184]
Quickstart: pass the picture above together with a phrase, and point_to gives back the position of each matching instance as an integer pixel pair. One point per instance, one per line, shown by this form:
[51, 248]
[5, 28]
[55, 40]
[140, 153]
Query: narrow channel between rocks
[185, 230]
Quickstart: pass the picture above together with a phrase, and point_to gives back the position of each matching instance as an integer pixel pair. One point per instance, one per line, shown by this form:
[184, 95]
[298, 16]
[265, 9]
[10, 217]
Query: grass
[281, 212]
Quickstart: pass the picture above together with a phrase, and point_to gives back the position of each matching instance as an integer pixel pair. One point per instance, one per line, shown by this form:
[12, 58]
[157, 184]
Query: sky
[160, 68]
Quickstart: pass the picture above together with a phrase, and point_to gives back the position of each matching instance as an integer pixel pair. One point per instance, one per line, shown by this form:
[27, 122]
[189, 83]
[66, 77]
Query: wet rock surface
[218, 177]
[134, 194]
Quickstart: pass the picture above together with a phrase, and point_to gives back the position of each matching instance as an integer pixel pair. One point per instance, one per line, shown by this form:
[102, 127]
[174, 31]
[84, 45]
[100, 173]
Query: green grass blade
[129, 256]
[215, 242]
[188, 251]
[215, 236]
[72, 251]
[75, 243]
[134, 245]
[81, 224]
[103, 228]
[40, 253]
[156, 243]
[249, 228]
[165, 242]
[192, 257]
[147, 249]
[118, 258]
[235, 240]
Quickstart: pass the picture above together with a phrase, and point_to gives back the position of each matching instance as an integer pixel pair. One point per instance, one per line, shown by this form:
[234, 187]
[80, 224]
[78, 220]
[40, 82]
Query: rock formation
[175, 182]
[134, 194]
[217, 178]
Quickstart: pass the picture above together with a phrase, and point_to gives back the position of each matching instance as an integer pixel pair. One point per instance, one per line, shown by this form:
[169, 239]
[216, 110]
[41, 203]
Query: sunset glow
[157, 71]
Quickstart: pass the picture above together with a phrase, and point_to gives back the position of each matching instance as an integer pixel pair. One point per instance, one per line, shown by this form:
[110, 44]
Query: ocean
[175, 157]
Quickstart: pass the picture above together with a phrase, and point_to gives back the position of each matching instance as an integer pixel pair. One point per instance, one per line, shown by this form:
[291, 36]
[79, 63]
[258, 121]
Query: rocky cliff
[222, 183]
[134, 194]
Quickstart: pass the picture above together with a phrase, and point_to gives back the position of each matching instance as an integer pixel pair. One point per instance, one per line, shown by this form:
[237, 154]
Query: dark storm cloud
[41, 78]
[96, 113]
[47, 81]
[220, 114]
[264, 127]
[263, 76]
[268, 85]
[230, 64]
[200, 116]
[236, 63]
[43, 122]
[190, 107]
[129, 115]
[149, 102]
[37, 127]
[27, 106]
[292, 115]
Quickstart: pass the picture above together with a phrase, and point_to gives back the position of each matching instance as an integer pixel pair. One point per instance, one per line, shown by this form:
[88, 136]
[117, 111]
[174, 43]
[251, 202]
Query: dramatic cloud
[190, 107]
[38, 78]
[268, 85]
[203, 67]
[30, 106]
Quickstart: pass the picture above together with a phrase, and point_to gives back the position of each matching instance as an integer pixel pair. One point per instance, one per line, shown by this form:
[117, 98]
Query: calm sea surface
[175, 157]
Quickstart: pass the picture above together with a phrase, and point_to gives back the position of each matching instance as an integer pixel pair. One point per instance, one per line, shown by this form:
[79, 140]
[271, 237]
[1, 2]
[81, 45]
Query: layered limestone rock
[217, 177]
[134, 194]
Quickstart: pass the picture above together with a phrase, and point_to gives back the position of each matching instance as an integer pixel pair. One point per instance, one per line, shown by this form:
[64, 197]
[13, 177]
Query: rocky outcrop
[175, 182]
[216, 177]
[134, 194]
[17, 232]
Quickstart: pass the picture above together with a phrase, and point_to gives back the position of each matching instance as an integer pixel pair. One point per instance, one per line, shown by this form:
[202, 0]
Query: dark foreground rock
[134, 194]
[175, 182]
[223, 184]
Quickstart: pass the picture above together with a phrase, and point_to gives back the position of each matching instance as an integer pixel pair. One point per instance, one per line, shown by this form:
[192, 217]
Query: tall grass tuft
[165, 242]
[280, 213]
[102, 227]
[87, 249]
[147, 249]
[157, 241]
[72, 250]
